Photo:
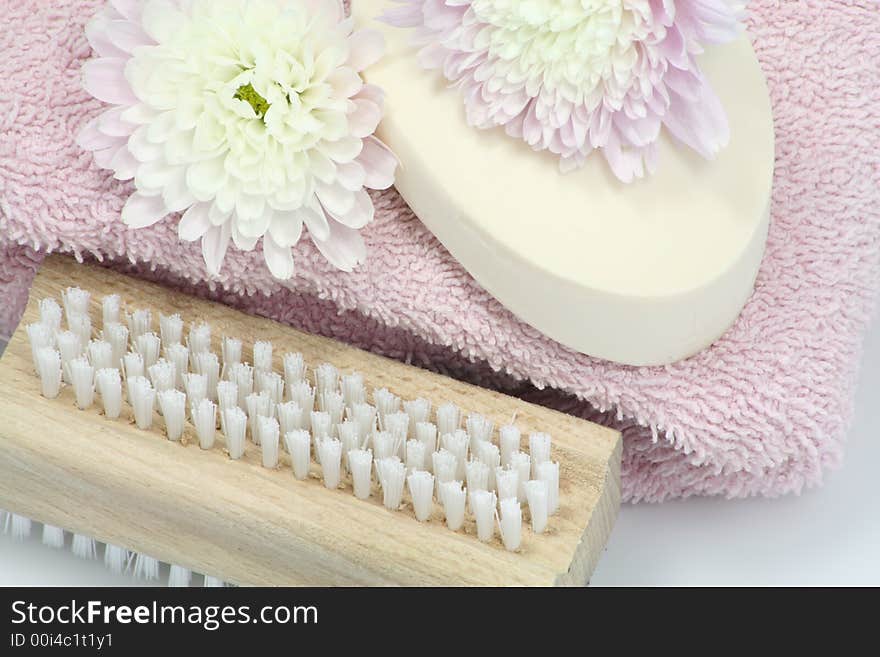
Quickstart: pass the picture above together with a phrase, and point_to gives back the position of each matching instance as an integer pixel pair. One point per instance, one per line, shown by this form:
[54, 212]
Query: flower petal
[194, 223]
[205, 178]
[361, 212]
[96, 33]
[335, 198]
[161, 19]
[379, 163]
[367, 47]
[286, 227]
[242, 242]
[111, 123]
[365, 118]
[344, 247]
[214, 244]
[124, 164]
[141, 211]
[278, 258]
[104, 78]
[315, 219]
[351, 175]
[126, 35]
[90, 138]
[130, 9]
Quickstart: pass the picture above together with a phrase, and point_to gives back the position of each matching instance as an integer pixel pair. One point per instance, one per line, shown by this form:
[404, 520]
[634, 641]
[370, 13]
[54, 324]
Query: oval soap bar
[643, 273]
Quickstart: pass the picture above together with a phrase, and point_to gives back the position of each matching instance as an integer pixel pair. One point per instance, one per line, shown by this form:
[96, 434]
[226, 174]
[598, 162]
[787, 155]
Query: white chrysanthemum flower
[249, 116]
[573, 76]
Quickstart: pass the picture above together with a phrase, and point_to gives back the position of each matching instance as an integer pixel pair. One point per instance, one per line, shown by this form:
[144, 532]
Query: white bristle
[353, 390]
[548, 472]
[18, 527]
[383, 445]
[69, 347]
[108, 382]
[227, 397]
[361, 464]
[448, 418]
[171, 329]
[263, 356]
[539, 450]
[334, 404]
[330, 457]
[196, 388]
[208, 364]
[179, 355]
[484, 503]
[82, 377]
[364, 415]
[444, 463]
[477, 478]
[392, 476]
[117, 335]
[479, 429]
[110, 309]
[133, 364]
[116, 558]
[290, 417]
[510, 523]
[100, 354]
[242, 375]
[457, 442]
[53, 536]
[536, 494]
[348, 436]
[489, 454]
[299, 445]
[415, 456]
[198, 340]
[76, 302]
[304, 395]
[230, 350]
[322, 424]
[509, 437]
[418, 410]
[50, 314]
[213, 582]
[204, 417]
[49, 371]
[84, 547]
[272, 384]
[81, 326]
[162, 375]
[172, 404]
[506, 483]
[521, 462]
[453, 498]
[259, 404]
[294, 369]
[40, 336]
[397, 424]
[426, 433]
[142, 398]
[269, 441]
[235, 426]
[326, 379]
[386, 403]
[139, 322]
[178, 576]
[421, 490]
[147, 345]
[146, 567]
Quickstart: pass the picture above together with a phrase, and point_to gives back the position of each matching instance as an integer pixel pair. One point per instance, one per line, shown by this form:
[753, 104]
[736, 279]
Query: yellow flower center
[248, 94]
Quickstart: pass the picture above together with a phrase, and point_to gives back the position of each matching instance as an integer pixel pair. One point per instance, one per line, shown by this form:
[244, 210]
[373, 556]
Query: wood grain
[248, 525]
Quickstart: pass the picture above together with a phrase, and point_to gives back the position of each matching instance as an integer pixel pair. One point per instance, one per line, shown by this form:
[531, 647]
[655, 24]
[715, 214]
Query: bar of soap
[643, 273]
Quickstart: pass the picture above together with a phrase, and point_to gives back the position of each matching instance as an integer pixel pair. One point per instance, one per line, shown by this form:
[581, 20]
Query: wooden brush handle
[249, 525]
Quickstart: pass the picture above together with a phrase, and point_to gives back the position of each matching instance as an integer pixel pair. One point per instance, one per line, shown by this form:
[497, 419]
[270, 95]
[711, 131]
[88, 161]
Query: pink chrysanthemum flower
[248, 116]
[570, 76]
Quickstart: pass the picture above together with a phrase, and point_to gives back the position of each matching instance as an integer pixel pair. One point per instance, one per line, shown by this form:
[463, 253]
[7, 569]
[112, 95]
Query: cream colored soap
[645, 273]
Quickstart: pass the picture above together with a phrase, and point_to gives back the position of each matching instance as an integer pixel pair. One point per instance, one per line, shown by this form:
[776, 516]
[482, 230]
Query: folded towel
[763, 411]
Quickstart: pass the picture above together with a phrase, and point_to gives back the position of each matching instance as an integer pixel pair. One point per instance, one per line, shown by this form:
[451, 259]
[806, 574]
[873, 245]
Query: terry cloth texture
[763, 411]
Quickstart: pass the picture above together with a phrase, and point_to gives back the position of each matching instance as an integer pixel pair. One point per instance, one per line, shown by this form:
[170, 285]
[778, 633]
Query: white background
[827, 536]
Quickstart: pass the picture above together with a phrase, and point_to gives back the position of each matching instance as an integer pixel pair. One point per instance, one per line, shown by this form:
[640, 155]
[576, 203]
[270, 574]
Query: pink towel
[763, 411]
